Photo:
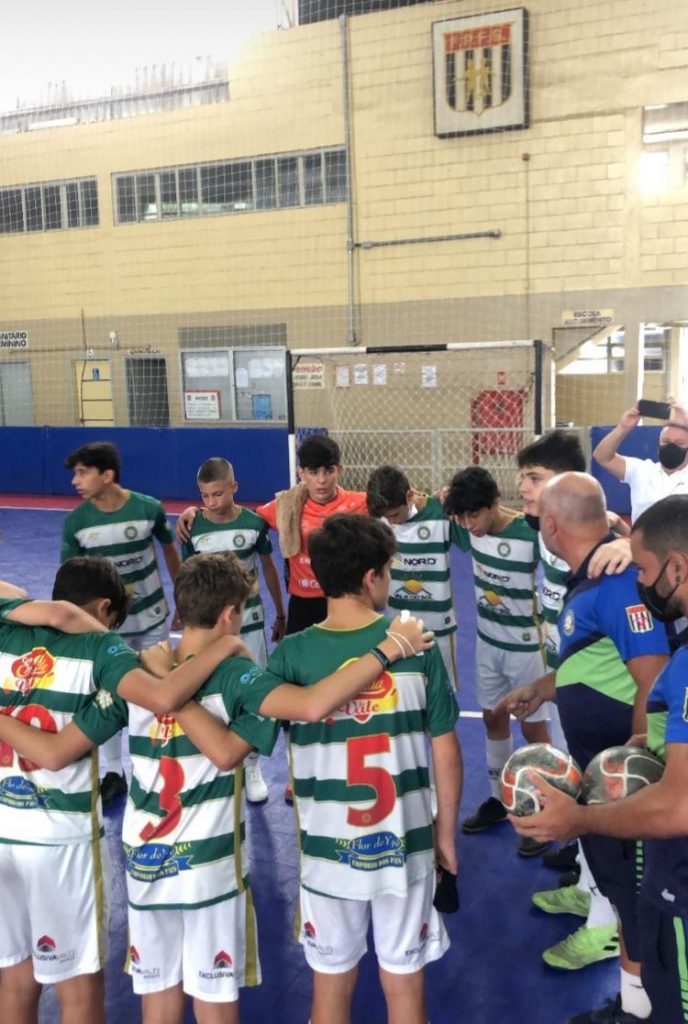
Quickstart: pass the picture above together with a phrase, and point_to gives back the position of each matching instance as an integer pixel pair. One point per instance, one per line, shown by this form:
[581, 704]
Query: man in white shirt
[649, 481]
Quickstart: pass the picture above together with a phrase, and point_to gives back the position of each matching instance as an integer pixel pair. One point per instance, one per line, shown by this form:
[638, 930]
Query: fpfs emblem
[32, 670]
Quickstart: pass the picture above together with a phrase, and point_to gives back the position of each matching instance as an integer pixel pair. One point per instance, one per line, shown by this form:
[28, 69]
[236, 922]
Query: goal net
[368, 175]
[430, 410]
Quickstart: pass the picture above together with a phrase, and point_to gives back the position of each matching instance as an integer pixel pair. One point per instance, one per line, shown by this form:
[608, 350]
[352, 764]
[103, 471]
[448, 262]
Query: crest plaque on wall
[480, 67]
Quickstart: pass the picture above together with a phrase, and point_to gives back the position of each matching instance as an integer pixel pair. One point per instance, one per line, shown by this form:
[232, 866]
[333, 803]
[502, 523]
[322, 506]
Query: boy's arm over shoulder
[104, 716]
[161, 526]
[459, 536]
[69, 545]
[62, 615]
[45, 749]
[268, 512]
[245, 686]
[442, 710]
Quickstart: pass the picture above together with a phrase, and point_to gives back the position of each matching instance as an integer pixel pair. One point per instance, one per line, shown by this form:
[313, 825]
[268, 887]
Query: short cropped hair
[214, 469]
[345, 548]
[471, 489]
[387, 488]
[87, 578]
[100, 455]
[206, 584]
[318, 450]
[559, 450]
[664, 526]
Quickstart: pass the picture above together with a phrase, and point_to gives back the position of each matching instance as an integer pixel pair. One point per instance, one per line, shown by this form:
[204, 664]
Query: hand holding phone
[655, 410]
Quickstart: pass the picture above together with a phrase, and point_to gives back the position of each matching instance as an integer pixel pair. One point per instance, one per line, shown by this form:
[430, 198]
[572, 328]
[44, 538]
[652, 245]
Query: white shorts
[497, 672]
[212, 950]
[159, 634]
[255, 641]
[55, 908]
[407, 930]
[447, 649]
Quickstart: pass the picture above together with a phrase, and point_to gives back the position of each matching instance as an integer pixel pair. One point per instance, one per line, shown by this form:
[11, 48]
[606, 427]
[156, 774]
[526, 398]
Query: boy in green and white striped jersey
[54, 878]
[223, 525]
[120, 525]
[361, 784]
[509, 647]
[421, 579]
[192, 928]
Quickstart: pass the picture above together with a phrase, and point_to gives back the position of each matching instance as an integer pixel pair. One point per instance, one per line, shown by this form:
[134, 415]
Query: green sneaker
[585, 946]
[569, 900]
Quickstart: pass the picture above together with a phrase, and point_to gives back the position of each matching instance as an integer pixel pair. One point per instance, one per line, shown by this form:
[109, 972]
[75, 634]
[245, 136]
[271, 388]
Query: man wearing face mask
[649, 481]
[611, 652]
[658, 813]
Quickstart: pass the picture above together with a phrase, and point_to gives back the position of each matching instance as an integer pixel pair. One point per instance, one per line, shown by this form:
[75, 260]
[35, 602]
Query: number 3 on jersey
[172, 775]
[358, 773]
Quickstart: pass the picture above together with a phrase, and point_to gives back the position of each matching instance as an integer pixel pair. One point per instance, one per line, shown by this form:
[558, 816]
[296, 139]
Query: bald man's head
[573, 513]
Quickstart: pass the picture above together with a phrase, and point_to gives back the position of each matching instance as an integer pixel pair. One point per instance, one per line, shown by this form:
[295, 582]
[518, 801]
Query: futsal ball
[519, 794]
[618, 772]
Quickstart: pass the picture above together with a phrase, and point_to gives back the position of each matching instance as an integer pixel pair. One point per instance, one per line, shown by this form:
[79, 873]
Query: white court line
[33, 508]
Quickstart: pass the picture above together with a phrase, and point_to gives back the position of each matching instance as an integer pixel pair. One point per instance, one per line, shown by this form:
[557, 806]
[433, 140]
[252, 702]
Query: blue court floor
[492, 973]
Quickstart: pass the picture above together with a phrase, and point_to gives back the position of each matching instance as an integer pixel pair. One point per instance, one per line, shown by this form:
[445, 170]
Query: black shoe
[610, 1013]
[491, 812]
[528, 847]
[569, 877]
[112, 786]
[563, 859]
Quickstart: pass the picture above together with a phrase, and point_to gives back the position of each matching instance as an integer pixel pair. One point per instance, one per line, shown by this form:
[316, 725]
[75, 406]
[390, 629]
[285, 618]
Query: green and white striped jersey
[125, 538]
[246, 537]
[361, 776]
[183, 830]
[47, 678]
[420, 569]
[504, 566]
[552, 593]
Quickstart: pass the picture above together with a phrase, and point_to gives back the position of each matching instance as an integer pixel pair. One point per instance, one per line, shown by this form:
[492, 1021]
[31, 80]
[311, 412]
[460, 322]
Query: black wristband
[381, 657]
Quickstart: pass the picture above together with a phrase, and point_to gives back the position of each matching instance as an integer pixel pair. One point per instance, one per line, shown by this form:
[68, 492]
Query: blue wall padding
[22, 457]
[641, 443]
[158, 462]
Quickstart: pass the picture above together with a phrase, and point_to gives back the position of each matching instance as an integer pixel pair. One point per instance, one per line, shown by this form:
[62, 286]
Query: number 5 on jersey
[358, 773]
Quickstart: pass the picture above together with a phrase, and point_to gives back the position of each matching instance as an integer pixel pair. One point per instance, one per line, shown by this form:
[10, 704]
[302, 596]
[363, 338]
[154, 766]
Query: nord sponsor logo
[420, 561]
[126, 563]
[555, 595]
[496, 576]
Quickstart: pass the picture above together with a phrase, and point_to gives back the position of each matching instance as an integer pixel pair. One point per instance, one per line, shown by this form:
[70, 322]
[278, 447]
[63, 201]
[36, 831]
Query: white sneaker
[256, 786]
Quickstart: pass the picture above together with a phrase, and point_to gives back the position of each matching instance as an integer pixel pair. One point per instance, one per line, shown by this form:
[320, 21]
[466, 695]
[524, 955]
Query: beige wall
[576, 230]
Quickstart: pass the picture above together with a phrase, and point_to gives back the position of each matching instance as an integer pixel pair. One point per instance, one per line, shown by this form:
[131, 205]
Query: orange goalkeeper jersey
[302, 582]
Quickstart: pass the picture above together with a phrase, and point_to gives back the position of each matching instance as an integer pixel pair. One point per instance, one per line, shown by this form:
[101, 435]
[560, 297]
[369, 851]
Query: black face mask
[533, 521]
[656, 603]
[671, 455]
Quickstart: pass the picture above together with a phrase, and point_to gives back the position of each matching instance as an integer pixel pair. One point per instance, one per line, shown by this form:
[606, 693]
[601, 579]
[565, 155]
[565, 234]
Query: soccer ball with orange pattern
[519, 794]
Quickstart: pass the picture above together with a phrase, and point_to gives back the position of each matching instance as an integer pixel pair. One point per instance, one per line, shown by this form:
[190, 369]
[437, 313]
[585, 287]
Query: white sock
[634, 998]
[252, 758]
[556, 732]
[112, 754]
[498, 753]
[601, 913]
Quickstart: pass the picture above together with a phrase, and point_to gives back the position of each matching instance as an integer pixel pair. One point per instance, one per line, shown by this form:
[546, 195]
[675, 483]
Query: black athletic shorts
[616, 866]
[663, 942]
[304, 611]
